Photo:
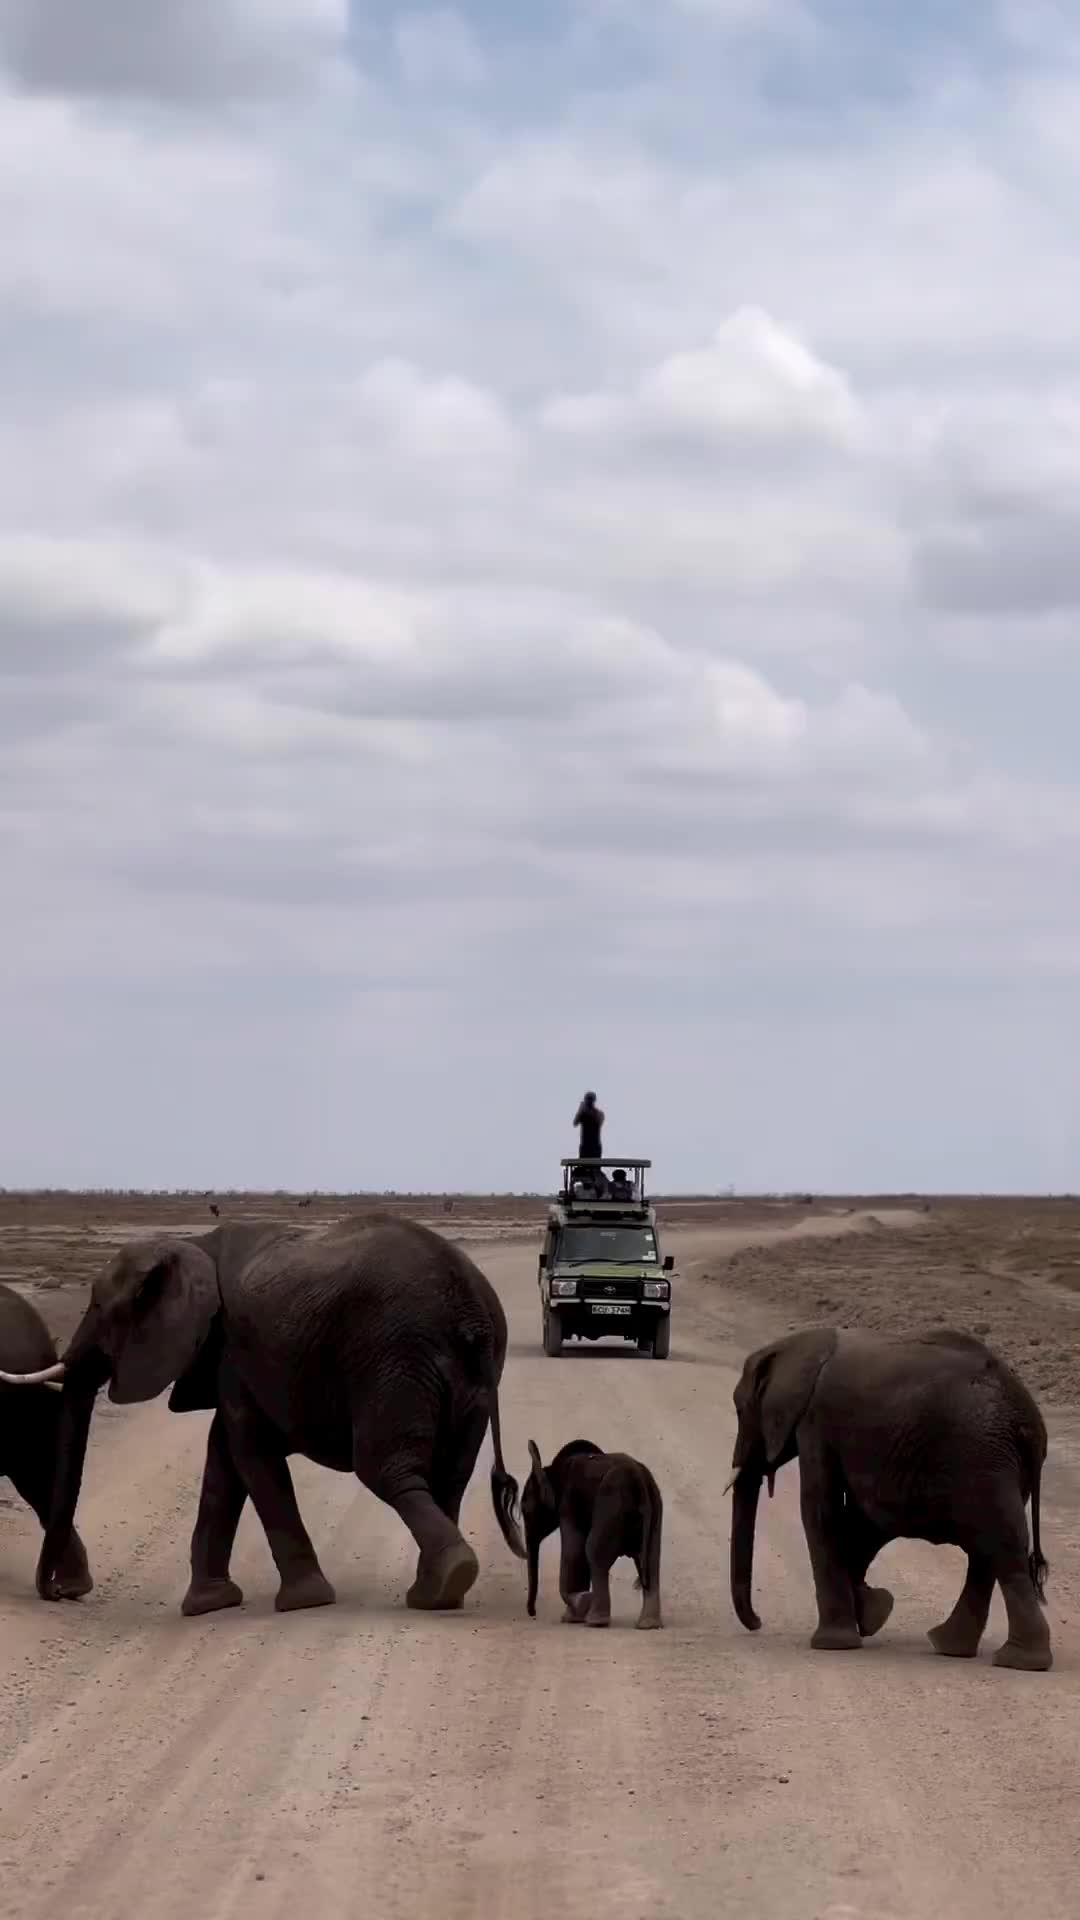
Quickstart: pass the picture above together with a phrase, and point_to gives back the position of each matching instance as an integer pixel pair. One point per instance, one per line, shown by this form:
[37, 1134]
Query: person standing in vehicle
[589, 1119]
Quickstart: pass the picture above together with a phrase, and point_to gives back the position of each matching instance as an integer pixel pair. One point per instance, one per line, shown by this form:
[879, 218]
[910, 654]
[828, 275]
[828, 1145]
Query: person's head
[590, 1099]
[620, 1176]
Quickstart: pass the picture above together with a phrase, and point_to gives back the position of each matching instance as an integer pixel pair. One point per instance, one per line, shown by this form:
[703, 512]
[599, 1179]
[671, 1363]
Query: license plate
[608, 1306]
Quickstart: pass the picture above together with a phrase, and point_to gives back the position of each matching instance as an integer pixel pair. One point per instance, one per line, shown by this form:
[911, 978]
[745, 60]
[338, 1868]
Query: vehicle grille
[612, 1289]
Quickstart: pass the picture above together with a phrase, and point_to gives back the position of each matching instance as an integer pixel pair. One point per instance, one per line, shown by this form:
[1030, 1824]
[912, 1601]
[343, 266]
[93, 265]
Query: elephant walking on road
[920, 1437]
[29, 1426]
[372, 1347]
[605, 1506]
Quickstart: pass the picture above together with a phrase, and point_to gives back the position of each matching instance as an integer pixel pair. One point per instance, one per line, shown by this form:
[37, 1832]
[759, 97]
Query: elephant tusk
[44, 1378]
[771, 1480]
[730, 1484]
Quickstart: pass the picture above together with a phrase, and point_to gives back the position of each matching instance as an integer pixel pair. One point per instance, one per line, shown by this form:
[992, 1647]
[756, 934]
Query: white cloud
[509, 544]
[754, 380]
[437, 419]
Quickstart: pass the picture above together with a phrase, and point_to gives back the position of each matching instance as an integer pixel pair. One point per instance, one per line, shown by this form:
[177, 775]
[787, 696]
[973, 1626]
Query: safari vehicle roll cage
[605, 1203]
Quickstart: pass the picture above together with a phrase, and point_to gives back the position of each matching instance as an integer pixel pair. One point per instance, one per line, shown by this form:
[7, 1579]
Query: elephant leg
[599, 1608]
[454, 1467]
[31, 1477]
[863, 1542]
[450, 1477]
[395, 1437]
[1028, 1644]
[605, 1543]
[575, 1578]
[650, 1616]
[260, 1461]
[220, 1506]
[821, 1500]
[447, 1566]
[958, 1637]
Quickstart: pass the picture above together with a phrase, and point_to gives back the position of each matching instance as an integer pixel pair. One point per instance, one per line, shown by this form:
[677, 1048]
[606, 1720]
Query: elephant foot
[648, 1623]
[1024, 1659]
[443, 1581]
[875, 1606]
[74, 1589]
[210, 1596]
[597, 1617]
[73, 1581]
[310, 1589]
[577, 1606]
[955, 1642]
[836, 1640]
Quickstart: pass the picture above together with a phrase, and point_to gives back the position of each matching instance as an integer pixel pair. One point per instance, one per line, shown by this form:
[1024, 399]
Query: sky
[539, 550]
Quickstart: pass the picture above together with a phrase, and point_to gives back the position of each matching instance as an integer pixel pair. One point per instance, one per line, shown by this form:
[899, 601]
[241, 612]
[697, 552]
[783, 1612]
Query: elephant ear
[785, 1379]
[157, 1304]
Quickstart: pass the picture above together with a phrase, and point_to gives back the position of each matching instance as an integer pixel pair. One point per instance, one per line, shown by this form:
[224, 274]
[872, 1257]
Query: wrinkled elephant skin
[926, 1437]
[373, 1347]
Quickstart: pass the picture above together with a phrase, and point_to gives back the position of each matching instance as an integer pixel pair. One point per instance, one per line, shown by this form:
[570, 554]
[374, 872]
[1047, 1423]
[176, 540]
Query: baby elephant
[605, 1505]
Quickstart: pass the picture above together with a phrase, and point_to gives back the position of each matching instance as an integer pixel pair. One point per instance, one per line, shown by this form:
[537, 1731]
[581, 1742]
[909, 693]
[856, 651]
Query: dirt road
[363, 1760]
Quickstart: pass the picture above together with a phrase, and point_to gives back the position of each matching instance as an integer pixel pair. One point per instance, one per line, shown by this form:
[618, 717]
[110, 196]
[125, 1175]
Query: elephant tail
[1038, 1566]
[504, 1488]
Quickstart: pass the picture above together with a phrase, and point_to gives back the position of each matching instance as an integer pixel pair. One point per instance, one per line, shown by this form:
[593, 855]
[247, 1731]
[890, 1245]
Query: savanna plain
[366, 1760]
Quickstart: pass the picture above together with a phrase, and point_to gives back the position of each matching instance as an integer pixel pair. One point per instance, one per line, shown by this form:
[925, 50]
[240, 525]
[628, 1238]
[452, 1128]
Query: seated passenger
[621, 1188]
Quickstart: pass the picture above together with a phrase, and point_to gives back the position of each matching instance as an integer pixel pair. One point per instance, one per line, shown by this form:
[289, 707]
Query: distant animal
[605, 1506]
[215, 1209]
[371, 1346]
[305, 1202]
[29, 1426]
[922, 1436]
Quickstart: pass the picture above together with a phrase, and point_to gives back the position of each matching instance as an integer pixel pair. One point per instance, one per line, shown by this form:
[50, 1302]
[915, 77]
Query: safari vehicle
[600, 1269]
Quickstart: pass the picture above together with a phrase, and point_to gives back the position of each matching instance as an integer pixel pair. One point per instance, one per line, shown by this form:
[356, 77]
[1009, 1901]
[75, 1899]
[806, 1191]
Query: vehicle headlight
[564, 1289]
[657, 1289]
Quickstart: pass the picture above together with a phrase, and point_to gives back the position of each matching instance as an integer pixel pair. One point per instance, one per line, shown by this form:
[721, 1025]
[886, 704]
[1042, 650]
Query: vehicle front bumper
[594, 1303]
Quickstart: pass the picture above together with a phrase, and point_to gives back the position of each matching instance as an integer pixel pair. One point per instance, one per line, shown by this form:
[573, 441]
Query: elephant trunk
[743, 1516]
[77, 1407]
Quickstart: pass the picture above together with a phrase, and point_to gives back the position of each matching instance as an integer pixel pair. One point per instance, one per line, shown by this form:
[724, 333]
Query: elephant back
[371, 1276]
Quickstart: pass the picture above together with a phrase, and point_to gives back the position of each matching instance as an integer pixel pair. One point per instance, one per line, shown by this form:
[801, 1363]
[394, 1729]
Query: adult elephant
[29, 1428]
[925, 1437]
[374, 1348]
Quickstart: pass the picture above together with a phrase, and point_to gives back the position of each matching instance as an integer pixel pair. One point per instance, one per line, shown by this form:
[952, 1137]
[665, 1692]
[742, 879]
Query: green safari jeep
[601, 1273]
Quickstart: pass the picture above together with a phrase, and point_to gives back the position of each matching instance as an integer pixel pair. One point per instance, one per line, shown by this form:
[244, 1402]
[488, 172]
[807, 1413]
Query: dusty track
[365, 1760]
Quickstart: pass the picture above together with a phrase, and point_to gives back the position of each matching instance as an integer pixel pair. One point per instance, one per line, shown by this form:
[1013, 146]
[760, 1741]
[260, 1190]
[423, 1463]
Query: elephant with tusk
[372, 1347]
[30, 1426]
[926, 1436]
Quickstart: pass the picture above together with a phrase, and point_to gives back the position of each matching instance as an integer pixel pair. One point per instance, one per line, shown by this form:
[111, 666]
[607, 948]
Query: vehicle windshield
[622, 1246]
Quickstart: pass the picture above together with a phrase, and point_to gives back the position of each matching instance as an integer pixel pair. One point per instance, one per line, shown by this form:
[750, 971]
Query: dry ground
[363, 1760]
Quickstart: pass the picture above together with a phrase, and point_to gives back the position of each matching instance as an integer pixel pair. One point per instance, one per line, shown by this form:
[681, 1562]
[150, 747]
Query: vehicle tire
[661, 1345]
[553, 1332]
